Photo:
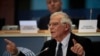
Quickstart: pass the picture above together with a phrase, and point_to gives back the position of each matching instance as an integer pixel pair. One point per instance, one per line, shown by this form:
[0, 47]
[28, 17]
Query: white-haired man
[63, 42]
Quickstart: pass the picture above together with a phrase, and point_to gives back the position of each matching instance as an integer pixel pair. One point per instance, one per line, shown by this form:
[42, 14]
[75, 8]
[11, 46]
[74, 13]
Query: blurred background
[11, 11]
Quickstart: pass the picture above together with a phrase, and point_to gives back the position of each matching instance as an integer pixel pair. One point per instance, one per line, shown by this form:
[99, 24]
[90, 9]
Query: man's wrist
[82, 54]
[16, 53]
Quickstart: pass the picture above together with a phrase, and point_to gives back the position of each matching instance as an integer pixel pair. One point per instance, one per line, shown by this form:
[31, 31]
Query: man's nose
[52, 3]
[51, 27]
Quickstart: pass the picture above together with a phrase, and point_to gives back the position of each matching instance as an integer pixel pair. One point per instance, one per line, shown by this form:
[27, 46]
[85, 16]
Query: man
[53, 6]
[60, 29]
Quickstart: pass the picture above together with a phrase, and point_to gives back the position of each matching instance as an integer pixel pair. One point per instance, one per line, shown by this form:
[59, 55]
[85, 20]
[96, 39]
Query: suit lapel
[70, 44]
[52, 46]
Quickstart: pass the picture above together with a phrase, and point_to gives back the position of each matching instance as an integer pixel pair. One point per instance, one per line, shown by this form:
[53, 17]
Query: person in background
[53, 6]
[63, 42]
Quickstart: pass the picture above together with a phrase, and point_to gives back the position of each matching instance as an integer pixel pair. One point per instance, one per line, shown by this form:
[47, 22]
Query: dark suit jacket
[51, 44]
[43, 22]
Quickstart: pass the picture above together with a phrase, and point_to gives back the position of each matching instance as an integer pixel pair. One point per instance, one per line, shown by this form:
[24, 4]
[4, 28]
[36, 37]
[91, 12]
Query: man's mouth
[52, 32]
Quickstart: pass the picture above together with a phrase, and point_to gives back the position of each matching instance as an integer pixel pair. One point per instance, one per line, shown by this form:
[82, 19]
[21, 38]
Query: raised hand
[11, 47]
[77, 48]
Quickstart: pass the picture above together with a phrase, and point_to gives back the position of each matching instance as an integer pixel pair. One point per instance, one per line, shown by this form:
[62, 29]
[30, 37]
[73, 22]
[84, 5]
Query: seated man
[63, 42]
[53, 6]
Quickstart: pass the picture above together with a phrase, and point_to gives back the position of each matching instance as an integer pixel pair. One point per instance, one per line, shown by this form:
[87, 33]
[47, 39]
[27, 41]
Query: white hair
[65, 18]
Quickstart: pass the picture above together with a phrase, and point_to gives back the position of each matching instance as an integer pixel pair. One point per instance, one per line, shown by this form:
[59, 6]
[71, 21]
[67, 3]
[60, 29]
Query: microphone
[90, 13]
[42, 51]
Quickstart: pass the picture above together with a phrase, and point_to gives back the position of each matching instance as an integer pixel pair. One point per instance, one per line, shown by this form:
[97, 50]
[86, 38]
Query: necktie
[59, 52]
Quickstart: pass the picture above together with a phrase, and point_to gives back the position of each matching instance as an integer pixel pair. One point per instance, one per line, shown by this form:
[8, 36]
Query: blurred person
[60, 29]
[53, 6]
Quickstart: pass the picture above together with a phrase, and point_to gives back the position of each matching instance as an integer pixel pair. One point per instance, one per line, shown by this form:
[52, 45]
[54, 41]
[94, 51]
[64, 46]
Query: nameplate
[87, 26]
[28, 26]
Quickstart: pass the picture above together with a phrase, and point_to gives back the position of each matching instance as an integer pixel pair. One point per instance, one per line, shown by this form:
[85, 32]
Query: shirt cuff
[17, 53]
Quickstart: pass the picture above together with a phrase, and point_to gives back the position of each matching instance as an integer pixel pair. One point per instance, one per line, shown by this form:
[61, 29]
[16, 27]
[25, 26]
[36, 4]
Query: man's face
[54, 5]
[56, 28]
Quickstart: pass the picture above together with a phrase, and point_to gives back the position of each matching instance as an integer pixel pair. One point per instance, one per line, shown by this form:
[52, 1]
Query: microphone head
[46, 49]
[42, 51]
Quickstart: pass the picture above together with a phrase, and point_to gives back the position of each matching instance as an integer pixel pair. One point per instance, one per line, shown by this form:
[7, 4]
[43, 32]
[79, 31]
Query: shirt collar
[66, 40]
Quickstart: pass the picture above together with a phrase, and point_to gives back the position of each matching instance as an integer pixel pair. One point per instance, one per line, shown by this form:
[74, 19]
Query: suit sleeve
[21, 54]
[87, 45]
[43, 53]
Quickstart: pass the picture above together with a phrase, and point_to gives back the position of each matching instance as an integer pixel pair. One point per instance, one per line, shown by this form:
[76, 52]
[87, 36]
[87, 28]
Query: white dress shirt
[64, 45]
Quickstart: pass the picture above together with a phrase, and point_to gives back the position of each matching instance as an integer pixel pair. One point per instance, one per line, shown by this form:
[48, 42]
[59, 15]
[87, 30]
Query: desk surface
[14, 33]
[45, 33]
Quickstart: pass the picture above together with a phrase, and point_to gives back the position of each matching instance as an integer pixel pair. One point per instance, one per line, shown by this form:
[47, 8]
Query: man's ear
[67, 26]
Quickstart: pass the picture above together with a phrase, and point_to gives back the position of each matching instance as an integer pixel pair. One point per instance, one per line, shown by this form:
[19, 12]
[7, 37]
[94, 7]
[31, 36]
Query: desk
[34, 41]
[45, 33]
[16, 33]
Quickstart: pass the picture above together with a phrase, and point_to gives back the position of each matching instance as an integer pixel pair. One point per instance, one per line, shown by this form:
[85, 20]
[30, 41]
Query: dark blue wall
[74, 13]
[34, 9]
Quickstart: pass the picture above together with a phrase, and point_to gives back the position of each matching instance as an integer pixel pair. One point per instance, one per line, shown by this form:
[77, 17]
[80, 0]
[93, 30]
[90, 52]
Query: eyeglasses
[53, 24]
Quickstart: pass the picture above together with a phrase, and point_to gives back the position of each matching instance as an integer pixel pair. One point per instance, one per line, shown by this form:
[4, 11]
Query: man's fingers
[78, 51]
[74, 41]
[77, 48]
[8, 41]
